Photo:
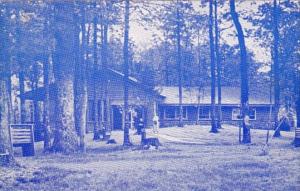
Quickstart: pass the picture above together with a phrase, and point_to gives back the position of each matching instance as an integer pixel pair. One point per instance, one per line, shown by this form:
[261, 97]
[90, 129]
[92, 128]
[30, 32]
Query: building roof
[230, 96]
[132, 79]
[39, 93]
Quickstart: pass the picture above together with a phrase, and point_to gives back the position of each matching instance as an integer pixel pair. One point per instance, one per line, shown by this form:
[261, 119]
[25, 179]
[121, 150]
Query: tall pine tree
[212, 70]
[6, 152]
[243, 72]
[126, 141]
[276, 67]
[65, 139]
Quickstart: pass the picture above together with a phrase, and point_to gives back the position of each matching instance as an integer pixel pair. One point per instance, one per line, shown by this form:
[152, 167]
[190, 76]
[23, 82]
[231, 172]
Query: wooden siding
[261, 121]
[137, 97]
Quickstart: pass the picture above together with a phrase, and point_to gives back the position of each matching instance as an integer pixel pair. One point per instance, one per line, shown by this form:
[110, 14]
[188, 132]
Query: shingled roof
[39, 93]
[230, 96]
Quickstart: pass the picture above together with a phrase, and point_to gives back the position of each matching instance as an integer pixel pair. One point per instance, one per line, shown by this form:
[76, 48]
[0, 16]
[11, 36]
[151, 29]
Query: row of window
[236, 114]
[173, 112]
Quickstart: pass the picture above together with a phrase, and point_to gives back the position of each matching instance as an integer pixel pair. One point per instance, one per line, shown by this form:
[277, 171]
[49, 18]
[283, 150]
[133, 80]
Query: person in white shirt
[155, 123]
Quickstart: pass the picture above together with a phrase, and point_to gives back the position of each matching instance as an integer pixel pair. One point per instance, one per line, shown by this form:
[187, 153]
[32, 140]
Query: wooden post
[297, 137]
[240, 137]
[267, 140]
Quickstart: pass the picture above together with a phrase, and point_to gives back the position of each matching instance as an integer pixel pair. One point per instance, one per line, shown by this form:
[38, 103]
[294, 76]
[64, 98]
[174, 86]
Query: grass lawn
[191, 158]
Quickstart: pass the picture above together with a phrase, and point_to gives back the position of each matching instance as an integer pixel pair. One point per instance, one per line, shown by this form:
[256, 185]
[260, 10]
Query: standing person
[247, 122]
[140, 126]
[155, 124]
[136, 123]
[143, 136]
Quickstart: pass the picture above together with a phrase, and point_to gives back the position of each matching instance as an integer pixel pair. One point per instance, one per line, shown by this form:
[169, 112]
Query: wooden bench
[4, 158]
[22, 135]
[297, 133]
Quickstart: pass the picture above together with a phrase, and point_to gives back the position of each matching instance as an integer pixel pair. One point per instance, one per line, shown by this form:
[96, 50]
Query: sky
[144, 39]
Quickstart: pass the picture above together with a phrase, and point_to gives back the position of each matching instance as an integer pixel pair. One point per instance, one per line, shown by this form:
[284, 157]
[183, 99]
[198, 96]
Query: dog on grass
[148, 142]
[111, 141]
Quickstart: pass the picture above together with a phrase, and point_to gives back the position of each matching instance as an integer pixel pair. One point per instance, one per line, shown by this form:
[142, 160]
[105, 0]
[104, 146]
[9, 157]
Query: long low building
[197, 110]
[164, 101]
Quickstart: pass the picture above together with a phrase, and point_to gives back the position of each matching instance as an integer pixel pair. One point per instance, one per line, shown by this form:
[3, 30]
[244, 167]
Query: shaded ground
[190, 159]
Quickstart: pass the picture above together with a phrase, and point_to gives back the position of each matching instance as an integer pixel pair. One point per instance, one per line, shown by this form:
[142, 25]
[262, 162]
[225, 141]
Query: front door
[117, 118]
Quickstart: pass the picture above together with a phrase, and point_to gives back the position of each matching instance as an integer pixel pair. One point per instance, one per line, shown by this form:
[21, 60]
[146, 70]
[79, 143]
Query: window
[172, 112]
[252, 114]
[236, 114]
[184, 112]
[91, 111]
[204, 113]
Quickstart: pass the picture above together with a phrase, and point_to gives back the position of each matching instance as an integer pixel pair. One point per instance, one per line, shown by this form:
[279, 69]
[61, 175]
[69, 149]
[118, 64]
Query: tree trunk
[165, 73]
[6, 152]
[80, 79]
[77, 73]
[83, 78]
[212, 69]
[46, 115]
[126, 141]
[36, 121]
[88, 73]
[106, 117]
[22, 100]
[95, 122]
[14, 111]
[36, 108]
[200, 72]
[297, 93]
[21, 71]
[276, 69]
[88, 36]
[46, 74]
[5, 144]
[179, 67]
[65, 139]
[219, 113]
[243, 71]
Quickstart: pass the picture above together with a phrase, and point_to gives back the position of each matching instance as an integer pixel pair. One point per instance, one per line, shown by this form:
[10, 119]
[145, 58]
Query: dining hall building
[145, 102]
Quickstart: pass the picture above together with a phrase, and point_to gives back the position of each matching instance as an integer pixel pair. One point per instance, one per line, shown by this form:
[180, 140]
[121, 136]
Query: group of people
[138, 124]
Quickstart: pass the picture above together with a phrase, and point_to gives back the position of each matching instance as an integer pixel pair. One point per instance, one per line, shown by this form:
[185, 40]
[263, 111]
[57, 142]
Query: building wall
[137, 97]
[262, 120]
